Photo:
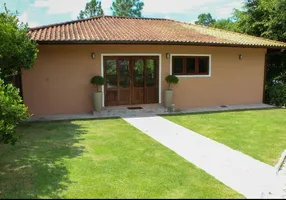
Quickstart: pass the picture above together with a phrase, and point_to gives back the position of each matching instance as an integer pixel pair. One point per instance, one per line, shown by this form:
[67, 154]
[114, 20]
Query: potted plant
[168, 96]
[97, 96]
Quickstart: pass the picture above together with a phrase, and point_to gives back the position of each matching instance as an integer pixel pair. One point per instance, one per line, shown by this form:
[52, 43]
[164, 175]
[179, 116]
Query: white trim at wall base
[132, 54]
[191, 76]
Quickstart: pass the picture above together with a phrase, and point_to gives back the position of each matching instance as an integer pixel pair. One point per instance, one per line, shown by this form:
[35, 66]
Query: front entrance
[131, 80]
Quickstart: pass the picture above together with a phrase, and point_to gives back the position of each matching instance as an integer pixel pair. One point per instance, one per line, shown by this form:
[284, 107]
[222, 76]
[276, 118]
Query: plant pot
[168, 98]
[97, 101]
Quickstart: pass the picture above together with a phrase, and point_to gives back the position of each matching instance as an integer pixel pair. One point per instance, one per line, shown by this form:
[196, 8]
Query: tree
[263, 18]
[267, 19]
[226, 24]
[127, 8]
[92, 9]
[205, 19]
[17, 50]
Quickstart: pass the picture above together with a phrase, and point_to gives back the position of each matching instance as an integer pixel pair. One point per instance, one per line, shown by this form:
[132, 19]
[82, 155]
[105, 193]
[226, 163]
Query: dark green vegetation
[17, 52]
[127, 8]
[12, 112]
[97, 81]
[92, 9]
[121, 8]
[171, 79]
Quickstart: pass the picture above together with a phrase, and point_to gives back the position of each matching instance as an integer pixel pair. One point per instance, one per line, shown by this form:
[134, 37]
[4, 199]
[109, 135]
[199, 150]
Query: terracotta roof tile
[106, 29]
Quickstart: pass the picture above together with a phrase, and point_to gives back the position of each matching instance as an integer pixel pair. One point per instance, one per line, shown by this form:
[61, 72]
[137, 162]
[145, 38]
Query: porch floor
[148, 110]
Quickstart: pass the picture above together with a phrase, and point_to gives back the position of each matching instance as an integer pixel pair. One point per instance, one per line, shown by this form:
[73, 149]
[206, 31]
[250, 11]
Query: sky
[44, 12]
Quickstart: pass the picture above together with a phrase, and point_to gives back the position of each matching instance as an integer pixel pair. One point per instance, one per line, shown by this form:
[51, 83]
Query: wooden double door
[131, 80]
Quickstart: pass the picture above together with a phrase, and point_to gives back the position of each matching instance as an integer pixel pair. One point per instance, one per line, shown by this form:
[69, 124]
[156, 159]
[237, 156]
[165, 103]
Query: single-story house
[134, 55]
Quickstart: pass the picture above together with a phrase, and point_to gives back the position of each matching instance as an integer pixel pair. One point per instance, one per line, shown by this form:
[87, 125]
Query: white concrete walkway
[278, 189]
[242, 173]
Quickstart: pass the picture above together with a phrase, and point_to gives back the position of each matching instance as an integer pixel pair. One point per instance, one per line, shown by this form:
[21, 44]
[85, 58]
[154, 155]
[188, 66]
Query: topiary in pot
[168, 94]
[97, 96]
[171, 79]
[97, 81]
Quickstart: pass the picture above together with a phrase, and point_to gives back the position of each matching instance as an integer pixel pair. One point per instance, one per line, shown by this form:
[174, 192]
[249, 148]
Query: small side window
[178, 65]
[191, 65]
[203, 65]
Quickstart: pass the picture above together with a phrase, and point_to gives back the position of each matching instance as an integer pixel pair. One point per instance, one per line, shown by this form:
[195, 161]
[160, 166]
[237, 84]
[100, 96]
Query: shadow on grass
[34, 167]
[218, 111]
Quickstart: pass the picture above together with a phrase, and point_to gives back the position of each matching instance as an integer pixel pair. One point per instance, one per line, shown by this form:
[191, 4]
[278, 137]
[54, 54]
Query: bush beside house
[12, 112]
[277, 94]
[17, 51]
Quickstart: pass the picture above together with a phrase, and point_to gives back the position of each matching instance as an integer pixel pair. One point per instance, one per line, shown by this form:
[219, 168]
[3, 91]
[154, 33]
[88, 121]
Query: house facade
[134, 56]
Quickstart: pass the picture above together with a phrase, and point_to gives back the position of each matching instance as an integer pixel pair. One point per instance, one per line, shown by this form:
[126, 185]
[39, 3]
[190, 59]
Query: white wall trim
[132, 54]
[191, 76]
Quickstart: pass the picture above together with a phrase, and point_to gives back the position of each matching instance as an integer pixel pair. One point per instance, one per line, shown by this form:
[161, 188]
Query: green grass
[99, 159]
[258, 133]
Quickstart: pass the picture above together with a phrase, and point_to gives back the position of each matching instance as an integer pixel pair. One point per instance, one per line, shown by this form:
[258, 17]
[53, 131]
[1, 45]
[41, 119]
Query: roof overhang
[89, 42]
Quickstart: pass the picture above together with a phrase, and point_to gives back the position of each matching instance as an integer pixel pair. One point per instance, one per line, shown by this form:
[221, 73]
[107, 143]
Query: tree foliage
[277, 94]
[127, 8]
[17, 51]
[92, 9]
[226, 24]
[12, 113]
[267, 19]
[205, 19]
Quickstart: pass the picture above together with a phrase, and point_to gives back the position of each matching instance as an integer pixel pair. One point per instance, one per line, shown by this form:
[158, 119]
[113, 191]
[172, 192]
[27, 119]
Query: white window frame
[192, 76]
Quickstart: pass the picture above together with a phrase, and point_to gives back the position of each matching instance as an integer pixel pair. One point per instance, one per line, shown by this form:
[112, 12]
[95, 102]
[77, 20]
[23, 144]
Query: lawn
[99, 159]
[258, 133]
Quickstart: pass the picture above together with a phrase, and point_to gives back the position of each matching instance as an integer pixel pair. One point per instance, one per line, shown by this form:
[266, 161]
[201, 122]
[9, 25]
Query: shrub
[97, 81]
[277, 94]
[171, 79]
[12, 113]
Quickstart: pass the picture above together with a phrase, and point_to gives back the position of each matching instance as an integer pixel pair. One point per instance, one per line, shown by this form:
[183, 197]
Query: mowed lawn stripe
[258, 133]
[99, 159]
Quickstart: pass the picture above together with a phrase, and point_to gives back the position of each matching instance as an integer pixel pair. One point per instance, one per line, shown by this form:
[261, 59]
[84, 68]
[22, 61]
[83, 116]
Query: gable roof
[121, 30]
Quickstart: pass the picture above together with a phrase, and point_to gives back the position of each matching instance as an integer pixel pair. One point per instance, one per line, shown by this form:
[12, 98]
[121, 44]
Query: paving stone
[147, 109]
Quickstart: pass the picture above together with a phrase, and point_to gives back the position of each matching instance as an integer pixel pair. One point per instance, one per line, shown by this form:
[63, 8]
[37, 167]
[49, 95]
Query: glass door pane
[111, 74]
[111, 93]
[152, 89]
[124, 75]
[138, 73]
[124, 81]
[151, 78]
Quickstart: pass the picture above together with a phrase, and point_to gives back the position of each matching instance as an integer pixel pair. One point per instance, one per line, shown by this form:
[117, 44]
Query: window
[191, 65]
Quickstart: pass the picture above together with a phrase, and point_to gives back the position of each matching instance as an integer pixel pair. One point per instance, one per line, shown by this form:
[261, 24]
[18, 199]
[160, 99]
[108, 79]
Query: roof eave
[160, 42]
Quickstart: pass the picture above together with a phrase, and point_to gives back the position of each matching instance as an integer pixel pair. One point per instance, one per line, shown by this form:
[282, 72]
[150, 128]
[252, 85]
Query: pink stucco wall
[59, 81]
